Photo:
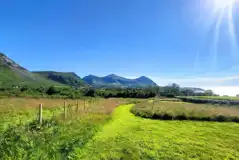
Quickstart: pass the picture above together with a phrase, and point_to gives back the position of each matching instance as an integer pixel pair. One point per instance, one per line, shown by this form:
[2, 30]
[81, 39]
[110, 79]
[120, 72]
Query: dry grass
[16, 109]
[186, 111]
[167, 99]
[207, 109]
[216, 97]
[95, 105]
[58, 134]
[24, 110]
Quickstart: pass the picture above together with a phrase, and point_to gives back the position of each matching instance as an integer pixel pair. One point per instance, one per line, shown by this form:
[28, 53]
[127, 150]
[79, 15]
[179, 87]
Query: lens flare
[219, 15]
[224, 12]
[222, 4]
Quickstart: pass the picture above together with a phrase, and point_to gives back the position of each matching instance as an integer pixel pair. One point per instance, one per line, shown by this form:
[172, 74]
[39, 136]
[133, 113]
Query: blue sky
[167, 40]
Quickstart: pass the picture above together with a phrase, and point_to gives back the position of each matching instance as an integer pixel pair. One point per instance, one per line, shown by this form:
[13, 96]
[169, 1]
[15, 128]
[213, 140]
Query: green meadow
[107, 129]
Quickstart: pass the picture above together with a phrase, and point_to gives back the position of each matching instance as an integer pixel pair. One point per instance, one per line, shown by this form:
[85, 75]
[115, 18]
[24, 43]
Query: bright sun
[222, 4]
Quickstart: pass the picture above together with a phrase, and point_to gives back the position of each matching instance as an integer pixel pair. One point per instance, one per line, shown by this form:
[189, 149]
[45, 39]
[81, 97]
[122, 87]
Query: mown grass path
[131, 137]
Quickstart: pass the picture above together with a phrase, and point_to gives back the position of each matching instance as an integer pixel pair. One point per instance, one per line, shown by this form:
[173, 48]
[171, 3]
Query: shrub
[53, 90]
[170, 95]
[24, 88]
[90, 93]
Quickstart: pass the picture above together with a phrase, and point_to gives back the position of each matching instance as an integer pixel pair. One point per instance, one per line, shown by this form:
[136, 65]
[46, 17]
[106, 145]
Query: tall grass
[21, 137]
[217, 97]
[186, 111]
[212, 100]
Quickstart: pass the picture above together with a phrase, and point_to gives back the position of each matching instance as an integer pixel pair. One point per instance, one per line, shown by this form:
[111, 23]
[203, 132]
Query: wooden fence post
[77, 106]
[64, 109]
[40, 114]
[153, 106]
[84, 104]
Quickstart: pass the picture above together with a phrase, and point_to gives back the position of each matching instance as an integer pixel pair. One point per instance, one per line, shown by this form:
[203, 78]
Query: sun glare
[222, 4]
[219, 16]
[222, 8]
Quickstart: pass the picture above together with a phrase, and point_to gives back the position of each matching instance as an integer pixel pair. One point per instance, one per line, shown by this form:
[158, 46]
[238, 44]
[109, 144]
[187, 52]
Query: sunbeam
[216, 38]
[218, 13]
[231, 28]
[222, 4]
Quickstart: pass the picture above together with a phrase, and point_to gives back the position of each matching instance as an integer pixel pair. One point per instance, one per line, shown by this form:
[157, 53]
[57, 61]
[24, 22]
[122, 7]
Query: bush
[90, 93]
[170, 95]
[53, 90]
[24, 88]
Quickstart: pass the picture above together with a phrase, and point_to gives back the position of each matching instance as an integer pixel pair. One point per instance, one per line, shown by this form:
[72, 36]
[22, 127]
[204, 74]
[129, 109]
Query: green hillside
[117, 81]
[12, 73]
[66, 78]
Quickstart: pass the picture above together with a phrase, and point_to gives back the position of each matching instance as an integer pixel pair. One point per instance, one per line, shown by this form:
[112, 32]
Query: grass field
[216, 97]
[130, 137]
[101, 131]
[22, 137]
[167, 110]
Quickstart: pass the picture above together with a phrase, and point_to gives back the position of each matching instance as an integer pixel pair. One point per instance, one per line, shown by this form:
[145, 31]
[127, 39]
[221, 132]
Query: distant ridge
[12, 73]
[66, 78]
[113, 80]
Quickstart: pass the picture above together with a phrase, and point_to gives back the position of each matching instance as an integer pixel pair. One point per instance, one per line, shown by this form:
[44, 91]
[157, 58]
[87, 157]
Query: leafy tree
[24, 88]
[174, 85]
[90, 92]
[40, 89]
[170, 91]
[52, 90]
[187, 92]
[209, 93]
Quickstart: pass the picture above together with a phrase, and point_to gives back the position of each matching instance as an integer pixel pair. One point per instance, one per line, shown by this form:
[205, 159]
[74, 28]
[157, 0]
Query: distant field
[166, 99]
[186, 111]
[216, 97]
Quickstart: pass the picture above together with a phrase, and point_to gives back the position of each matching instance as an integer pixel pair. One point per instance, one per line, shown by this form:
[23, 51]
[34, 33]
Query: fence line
[40, 114]
[67, 109]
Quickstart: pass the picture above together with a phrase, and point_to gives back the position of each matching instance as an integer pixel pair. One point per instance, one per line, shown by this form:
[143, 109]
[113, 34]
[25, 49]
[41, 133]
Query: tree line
[170, 91]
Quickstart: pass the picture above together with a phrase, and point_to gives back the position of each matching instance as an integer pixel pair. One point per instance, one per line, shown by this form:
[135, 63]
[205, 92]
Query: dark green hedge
[167, 116]
[211, 101]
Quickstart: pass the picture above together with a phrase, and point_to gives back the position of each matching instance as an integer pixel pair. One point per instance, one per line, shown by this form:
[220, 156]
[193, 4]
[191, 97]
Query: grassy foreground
[21, 136]
[98, 133]
[131, 137]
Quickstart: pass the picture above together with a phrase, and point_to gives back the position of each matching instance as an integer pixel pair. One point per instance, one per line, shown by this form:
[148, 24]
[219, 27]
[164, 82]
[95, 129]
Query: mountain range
[113, 80]
[11, 73]
[65, 78]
